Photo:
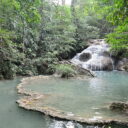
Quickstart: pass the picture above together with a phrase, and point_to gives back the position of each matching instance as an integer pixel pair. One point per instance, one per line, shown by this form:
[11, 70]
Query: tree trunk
[63, 2]
[73, 11]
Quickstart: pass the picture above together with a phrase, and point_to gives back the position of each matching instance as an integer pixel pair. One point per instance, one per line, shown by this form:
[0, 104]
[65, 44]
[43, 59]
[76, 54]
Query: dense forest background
[36, 34]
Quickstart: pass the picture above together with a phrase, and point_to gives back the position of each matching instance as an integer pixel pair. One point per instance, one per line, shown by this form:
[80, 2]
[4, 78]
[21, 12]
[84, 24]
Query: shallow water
[11, 116]
[87, 98]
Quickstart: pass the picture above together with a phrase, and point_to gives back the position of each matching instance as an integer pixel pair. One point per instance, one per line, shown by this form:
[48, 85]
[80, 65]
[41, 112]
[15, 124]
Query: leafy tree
[36, 34]
[119, 40]
[117, 15]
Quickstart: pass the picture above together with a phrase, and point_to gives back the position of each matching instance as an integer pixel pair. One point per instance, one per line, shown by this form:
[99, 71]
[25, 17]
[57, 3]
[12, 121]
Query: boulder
[122, 65]
[76, 70]
[85, 57]
[95, 57]
[105, 54]
[107, 64]
[82, 71]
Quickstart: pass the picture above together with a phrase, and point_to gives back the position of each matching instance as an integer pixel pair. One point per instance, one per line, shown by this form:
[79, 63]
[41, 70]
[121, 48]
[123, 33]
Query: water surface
[87, 98]
[11, 116]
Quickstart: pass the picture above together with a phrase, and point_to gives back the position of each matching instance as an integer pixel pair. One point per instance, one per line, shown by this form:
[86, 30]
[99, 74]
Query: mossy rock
[66, 70]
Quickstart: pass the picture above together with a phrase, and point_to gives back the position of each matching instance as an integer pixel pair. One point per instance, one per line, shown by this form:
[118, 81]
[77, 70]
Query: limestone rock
[96, 57]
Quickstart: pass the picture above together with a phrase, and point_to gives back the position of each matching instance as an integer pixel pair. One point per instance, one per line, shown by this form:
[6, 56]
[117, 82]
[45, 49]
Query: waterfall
[96, 57]
[69, 124]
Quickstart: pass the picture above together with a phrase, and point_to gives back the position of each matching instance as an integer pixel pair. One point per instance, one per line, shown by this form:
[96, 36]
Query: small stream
[11, 116]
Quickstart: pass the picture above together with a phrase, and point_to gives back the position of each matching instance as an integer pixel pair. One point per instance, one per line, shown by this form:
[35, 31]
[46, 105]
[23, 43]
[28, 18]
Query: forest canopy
[36, 34]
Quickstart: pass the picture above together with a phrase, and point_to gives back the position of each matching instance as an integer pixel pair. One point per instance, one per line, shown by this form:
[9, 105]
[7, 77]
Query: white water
[99, 59]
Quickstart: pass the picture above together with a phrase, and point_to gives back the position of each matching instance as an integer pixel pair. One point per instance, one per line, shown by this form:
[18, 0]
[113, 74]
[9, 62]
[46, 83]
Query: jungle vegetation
[36, 34]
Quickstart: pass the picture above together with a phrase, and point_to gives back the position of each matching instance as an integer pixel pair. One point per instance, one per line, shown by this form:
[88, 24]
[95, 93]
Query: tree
[118, 16]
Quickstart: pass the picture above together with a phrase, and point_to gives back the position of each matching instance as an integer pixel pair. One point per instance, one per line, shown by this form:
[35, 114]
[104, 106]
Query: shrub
[65, 70]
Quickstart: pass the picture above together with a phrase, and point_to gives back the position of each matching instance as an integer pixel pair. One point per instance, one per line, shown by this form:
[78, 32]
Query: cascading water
[69, 124]
[96, 57]
[61, 124]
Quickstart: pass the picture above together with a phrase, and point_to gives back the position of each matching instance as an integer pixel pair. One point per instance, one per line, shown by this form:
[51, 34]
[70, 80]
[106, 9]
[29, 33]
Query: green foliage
[57, 35]
[118, 11]
[115, 10]
[117, 15]
[90, 24]
[46, 64]
[103, 27]
[6, 55]
[66, 70]
[36, 34]
[119, 40]
[85, 31]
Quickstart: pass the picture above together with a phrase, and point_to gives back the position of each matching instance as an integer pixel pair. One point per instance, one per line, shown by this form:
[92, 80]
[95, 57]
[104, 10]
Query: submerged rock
[121, 106]
[96, 57]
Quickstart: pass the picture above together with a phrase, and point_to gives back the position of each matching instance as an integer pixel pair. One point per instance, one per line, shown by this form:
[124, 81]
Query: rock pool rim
[52, 112]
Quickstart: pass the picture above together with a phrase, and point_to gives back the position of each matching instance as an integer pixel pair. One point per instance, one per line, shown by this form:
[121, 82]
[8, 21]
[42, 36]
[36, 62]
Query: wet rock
[85, 57]
[121, 106]
[105, 53]
[95, 42]
[95, 57]
[107, 64]
[78, 70]
[122, 65]
[82, 71]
